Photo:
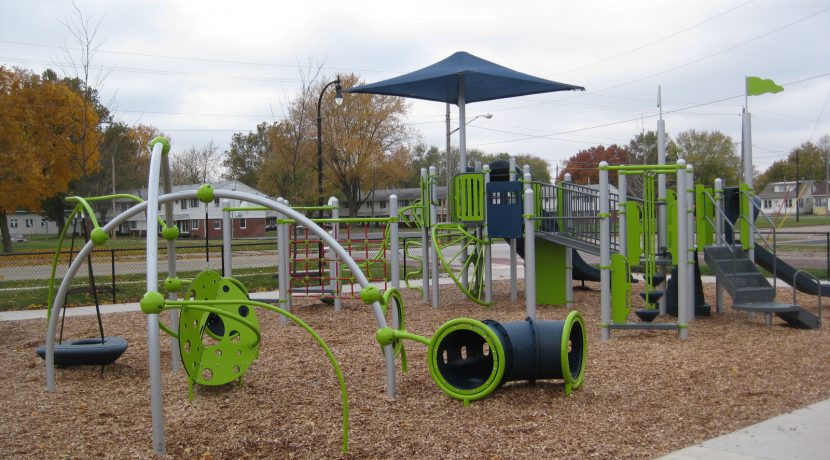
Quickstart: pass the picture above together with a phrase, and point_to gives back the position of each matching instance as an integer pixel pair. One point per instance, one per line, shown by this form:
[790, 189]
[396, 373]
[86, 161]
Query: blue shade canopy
[482, 81]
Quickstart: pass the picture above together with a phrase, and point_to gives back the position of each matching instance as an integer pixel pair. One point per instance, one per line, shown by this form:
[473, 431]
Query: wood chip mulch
[646, 392]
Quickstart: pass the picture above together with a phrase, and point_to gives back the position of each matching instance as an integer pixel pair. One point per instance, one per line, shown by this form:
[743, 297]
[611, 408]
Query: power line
[186, 58]
[654, 42]
[629, 120]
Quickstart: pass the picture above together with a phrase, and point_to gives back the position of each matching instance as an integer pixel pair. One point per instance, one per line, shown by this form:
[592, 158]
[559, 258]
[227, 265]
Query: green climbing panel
[217, 347]
[551, 275]
[620, 289]
[634, 232]
[467, 198]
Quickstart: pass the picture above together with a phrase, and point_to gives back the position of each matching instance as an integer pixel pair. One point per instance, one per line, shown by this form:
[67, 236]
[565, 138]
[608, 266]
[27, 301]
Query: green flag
[756, 86]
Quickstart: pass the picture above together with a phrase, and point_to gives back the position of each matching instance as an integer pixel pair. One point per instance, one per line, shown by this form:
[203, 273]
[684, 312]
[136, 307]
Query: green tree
[363, 140]
[423, 156]
[288, 166]
[642, 150]
[243, 160]
[712, 154]
[812, 161]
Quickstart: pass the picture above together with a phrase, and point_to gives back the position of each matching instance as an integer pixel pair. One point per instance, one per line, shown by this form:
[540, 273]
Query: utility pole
[797, 187]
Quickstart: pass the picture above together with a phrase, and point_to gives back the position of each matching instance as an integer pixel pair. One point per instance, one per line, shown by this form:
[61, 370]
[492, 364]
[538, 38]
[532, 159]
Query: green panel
[551, 273]
[425, 199]
[746, 234]
[671, 224]
[634, 232]
[217, 349]
[620, 289]
[704, 209]
[467, 198]
[537, 204]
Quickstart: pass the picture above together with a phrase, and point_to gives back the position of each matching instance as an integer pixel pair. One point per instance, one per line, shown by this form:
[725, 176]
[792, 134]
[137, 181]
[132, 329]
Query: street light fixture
[451, 132]
[338, 99]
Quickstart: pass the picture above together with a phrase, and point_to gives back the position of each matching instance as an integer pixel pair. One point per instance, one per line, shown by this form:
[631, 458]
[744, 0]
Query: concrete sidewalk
[801, 434]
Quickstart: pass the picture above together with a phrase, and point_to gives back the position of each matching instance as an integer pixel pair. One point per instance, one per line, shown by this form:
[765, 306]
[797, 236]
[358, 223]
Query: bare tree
[78, 71]
[196, 165]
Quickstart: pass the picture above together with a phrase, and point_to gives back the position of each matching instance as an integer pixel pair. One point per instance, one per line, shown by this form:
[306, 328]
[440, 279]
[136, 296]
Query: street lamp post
[338, 98]
[450, 133]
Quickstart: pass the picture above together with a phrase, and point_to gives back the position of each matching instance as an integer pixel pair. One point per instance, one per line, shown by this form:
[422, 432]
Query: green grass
[790, 221]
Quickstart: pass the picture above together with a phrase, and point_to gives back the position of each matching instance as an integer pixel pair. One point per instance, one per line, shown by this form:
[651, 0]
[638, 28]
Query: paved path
[801, 434]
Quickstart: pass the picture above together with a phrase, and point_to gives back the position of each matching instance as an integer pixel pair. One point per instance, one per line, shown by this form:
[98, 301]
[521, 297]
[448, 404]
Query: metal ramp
[570, 240]
[749, 288]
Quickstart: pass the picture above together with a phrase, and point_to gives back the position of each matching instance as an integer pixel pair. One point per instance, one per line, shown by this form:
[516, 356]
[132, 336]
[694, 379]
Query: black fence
[119, 274]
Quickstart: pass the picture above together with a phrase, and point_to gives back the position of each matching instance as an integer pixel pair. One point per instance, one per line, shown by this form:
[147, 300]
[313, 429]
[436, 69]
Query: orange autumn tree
[48, 138]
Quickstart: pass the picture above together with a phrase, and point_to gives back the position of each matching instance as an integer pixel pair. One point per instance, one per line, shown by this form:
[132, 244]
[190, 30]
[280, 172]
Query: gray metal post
[462, 128]
[394, 248]
[604, 254]
[662, 208]
[433, 217]
[153, 349]
[746, 150]
[425, 243]
[514, 276]
[227, 234]
[719, 233]
[683, 306]
[622, 185]
[690, 237]
[530, 254]
[485, 235]
[284, 264]
[334, 264]
[169, 218]
[569, 264]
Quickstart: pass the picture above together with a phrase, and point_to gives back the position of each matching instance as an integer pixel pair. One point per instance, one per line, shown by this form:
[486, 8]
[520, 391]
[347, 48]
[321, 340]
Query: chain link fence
[119, 275]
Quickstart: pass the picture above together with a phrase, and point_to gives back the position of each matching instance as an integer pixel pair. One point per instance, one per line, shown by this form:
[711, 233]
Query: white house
[780, 198]
[31, 223]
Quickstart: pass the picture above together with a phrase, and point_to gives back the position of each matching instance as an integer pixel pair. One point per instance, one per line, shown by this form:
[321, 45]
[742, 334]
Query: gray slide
[786, 273]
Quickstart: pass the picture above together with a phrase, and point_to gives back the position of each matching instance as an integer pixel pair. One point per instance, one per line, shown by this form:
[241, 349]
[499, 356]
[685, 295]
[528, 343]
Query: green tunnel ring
[490, 383]
[573, 381]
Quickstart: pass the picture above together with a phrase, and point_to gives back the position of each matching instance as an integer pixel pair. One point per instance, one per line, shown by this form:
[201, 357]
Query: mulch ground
[646, 392]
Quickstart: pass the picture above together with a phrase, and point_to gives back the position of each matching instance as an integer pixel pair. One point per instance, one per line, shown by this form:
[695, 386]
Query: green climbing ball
[370, 294]
[152, 303]
[173, 284]
[170, 232]
[164, 142]
[205, 193]
[385, 336]
[99, 236]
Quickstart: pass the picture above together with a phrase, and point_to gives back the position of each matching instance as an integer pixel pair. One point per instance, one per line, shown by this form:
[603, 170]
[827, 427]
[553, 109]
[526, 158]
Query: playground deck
[646, 394]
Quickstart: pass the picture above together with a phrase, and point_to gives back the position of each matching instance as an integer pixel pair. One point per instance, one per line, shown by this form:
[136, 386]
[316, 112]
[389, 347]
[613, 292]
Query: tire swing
[97, 351]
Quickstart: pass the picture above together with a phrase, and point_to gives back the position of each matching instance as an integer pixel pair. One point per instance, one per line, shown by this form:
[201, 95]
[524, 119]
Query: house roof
[220, 185]
[407, 193]
[808, 188]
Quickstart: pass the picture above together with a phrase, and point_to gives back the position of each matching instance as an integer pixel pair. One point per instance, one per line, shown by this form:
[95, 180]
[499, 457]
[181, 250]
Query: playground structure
[216, 335]
[660, 232]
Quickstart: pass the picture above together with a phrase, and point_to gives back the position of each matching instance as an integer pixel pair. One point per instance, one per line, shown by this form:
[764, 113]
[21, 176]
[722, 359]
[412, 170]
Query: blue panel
[504, 209]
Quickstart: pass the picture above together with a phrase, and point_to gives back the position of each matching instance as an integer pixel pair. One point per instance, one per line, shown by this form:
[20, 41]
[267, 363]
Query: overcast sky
[202, 70]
